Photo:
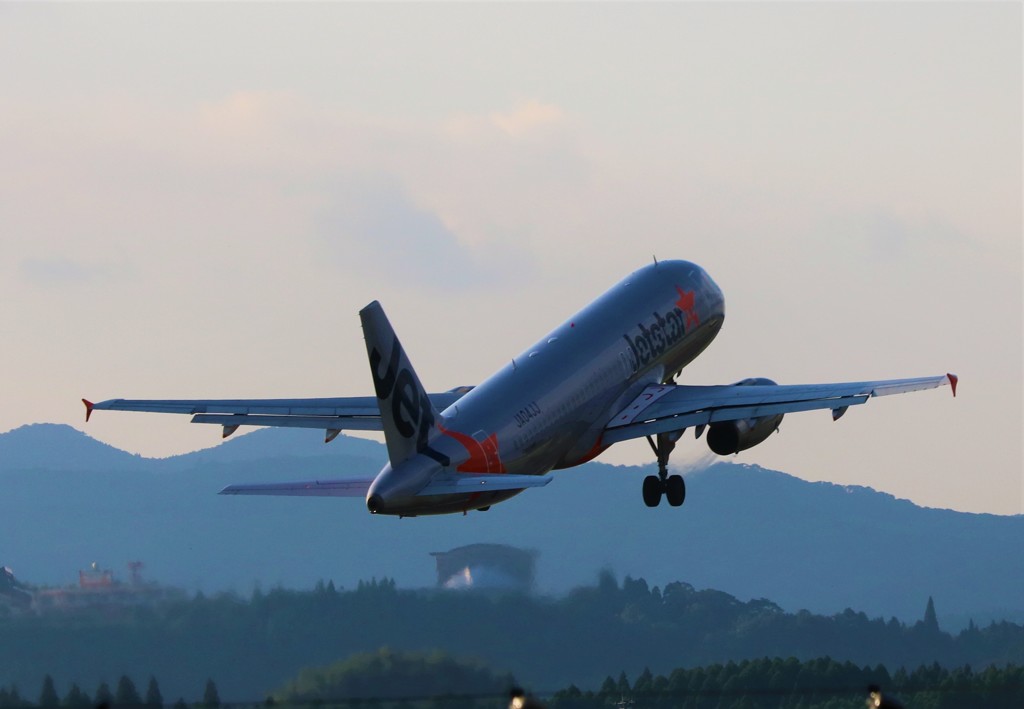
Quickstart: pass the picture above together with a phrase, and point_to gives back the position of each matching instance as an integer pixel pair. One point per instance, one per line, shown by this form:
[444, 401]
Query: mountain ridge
[749, 531]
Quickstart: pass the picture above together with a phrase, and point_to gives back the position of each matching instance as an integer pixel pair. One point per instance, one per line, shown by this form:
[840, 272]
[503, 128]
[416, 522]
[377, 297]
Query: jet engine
[728, 437]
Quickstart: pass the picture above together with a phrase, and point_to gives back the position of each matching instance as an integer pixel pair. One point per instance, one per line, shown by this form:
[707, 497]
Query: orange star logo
[687, 303]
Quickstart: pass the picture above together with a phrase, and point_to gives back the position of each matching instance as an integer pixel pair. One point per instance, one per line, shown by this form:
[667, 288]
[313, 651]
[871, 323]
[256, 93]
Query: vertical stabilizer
[406, 412]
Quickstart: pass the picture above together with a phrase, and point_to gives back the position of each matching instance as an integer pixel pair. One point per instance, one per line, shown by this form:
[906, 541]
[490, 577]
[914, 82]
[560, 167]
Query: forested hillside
[252, 646]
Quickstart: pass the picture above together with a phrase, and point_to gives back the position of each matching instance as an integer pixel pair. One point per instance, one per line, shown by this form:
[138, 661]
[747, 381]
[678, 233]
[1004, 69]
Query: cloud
[60, 271]
[881, 237]
[400, 196]
[527, 117]
[372, 224]
[244, 111]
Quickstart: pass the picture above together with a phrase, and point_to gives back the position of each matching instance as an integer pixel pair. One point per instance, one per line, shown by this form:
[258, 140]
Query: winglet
[953, 379]
[88, 409]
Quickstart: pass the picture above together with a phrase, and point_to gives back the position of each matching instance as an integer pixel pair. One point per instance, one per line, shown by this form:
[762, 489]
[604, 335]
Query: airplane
[605, 375]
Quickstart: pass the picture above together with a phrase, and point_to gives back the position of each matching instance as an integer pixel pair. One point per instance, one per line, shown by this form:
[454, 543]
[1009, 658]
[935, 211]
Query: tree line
[125, 695]
[790, 684]
[253, 645]
[388, 679]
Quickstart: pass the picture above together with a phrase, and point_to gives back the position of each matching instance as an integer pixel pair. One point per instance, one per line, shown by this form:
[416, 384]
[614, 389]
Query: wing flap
[339, 423]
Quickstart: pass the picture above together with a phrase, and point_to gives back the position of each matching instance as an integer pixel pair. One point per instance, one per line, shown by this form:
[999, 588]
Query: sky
[196, 200]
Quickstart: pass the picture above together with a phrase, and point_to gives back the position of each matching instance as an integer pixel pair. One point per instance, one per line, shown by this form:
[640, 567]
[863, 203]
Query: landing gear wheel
[672, 486]
[675, 490]
[652, 490]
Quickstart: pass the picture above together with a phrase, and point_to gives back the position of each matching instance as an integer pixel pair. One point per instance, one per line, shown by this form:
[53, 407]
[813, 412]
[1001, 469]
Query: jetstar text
[651, 339]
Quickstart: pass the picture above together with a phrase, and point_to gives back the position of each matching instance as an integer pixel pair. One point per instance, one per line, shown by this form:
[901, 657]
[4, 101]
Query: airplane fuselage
[548, 407]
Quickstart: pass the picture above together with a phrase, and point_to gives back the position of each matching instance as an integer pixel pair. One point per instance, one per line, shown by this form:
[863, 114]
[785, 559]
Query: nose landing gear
[671, 486]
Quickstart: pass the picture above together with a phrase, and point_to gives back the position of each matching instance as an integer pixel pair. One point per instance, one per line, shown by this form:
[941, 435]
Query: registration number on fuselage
[525, 414]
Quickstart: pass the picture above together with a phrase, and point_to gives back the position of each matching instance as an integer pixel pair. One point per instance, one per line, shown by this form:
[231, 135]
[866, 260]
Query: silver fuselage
[548, 407]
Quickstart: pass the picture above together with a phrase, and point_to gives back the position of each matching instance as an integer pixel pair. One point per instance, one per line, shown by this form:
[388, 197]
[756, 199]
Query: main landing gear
[671, 486]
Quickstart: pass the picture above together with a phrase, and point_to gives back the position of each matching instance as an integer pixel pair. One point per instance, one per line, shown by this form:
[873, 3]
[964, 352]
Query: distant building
[486, 566]
[12, 594]
[98, 589]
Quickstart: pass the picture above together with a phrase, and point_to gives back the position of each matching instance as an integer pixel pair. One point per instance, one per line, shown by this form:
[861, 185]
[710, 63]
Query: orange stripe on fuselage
[483, 455]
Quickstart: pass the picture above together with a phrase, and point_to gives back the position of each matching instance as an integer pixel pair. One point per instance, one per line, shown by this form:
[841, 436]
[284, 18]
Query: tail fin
[408, 417]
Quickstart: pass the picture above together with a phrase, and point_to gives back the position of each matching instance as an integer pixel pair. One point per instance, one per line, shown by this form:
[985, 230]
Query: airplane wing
[350, 487]
[666, 408]
[359, 413]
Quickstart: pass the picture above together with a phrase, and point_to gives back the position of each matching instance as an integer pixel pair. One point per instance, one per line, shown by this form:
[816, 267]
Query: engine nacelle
[729, 437]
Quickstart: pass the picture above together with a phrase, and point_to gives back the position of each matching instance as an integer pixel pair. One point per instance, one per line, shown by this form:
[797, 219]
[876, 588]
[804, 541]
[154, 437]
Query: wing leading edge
[661, 409]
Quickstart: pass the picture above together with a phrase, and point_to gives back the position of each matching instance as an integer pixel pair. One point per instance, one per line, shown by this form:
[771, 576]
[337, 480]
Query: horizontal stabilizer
[348, 487]
[465, 483]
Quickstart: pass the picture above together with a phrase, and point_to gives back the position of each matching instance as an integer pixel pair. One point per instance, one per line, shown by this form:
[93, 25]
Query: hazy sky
[196, 200]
